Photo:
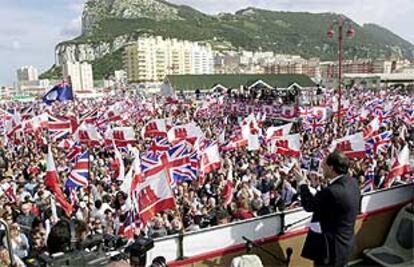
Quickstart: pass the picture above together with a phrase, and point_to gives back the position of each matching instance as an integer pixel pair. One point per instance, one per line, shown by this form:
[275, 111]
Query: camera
[96, 251]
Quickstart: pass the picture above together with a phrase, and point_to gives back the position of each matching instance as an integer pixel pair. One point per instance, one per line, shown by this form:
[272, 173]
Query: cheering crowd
[252, 177]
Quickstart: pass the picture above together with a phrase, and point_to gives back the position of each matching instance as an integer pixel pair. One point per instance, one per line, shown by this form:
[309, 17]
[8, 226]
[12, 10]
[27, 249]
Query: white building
[120, 76]
[36, 87]
[152, 58]
[27, 73]
[81, 75]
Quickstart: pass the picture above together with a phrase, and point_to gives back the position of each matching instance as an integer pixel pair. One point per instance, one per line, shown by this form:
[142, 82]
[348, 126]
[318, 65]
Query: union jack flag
[74, 152]
[158, 145]
[407, 116]
[127, 227]
[368, 185]
[384, 117]
[58, 128]
[314, 125]
[352, 116]
[379, 143]
[90, 116]
[79, 176]
[178, 162]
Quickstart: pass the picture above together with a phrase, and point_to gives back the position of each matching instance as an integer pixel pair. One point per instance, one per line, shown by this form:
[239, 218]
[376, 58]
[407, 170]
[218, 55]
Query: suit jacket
[335, 208]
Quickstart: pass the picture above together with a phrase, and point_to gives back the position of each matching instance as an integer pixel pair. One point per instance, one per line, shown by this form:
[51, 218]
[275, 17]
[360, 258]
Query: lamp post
[341, 24]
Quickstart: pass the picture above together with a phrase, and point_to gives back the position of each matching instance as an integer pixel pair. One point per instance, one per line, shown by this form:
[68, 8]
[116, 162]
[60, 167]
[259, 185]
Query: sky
[30, 29]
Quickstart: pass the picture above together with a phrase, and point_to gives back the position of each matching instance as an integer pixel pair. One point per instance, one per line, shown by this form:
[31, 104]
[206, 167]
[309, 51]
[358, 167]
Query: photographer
[59, 239]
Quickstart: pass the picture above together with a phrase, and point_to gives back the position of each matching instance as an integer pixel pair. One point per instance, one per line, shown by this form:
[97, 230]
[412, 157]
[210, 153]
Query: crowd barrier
[227, 238]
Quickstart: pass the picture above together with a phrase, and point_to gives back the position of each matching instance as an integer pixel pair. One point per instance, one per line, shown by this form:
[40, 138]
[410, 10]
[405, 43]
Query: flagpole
[180, 235]
[89, 185]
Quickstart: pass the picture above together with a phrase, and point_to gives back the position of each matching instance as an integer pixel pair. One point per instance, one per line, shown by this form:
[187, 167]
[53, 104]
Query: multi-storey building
[152, 58]
[80, 74]
[27, 73]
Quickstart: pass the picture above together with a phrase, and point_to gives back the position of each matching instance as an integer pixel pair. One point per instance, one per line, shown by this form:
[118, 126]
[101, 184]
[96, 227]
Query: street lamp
[341, 24]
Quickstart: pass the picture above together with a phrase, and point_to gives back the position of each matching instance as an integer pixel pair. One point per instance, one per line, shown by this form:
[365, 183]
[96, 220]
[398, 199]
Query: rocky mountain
[108, 25]
[98, 10]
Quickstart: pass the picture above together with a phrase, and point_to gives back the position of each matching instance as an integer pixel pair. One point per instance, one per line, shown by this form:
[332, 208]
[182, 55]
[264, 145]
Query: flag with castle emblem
[353, 146]
[156, 128]
[154, 194]
[121, 136]
[188, 132]
[275, 132]
[210, 159]
[287, 145]
[400, 167]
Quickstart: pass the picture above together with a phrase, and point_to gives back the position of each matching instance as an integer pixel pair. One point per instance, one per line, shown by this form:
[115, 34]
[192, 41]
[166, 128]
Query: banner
[282, 112]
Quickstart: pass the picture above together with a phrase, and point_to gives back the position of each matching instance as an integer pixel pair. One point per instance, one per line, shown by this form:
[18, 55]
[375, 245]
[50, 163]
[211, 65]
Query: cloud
[13, 45]
[76, 7]
[72, 29]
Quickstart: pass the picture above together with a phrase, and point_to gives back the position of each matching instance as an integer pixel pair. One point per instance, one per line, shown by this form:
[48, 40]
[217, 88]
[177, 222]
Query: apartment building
[152, 58]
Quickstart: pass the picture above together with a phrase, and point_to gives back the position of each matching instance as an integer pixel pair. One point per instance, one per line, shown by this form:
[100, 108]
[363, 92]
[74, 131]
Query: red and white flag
[89, 135]
[52, 182]
[156, 128]
[35, 123]
[122, 136]
[372, 128]
[251, 132]
[188, 132]
[288, 145]
[279, 131]
[353, 146]
[154, 195]
[227, 193]
[210, 159]
[118, 165]
[65, 144]
[400, 167]
[236, 142]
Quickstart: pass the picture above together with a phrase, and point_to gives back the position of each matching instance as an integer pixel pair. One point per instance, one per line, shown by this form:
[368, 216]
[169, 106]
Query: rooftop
[232, 81]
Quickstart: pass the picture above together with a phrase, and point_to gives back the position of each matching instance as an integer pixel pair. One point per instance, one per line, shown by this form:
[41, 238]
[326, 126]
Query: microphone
[289, 252]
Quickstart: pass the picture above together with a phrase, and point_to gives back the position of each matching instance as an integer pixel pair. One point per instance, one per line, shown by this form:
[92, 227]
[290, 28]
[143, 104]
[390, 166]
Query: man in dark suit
[330, 238]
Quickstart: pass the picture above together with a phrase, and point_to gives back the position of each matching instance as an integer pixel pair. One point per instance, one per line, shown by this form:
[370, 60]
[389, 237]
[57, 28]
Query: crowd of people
[248, 184]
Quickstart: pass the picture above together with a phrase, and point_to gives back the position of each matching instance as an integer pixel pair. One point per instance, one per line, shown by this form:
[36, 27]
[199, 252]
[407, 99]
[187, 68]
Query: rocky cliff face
[96, 10]
[88, 51]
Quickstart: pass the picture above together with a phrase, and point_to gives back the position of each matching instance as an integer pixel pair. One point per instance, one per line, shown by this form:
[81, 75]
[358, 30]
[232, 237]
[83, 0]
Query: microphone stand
[250, 244]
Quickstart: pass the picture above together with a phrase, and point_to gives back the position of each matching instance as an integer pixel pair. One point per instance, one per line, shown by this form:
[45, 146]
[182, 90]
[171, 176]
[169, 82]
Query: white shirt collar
[335, 179]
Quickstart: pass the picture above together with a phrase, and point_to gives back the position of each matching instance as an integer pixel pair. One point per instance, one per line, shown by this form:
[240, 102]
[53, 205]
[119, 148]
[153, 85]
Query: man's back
[335, 209]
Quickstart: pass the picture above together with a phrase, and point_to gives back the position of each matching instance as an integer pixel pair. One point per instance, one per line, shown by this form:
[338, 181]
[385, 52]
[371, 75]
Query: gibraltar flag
[274, 132]
[89, 135]
[156, 128]
[40, 121]
[210, 159]
[154, 195]
[287, 145]
[122, 136]
[251, 135]
[372, 128]
[189, 132]
[400, 166]
[52, 182]
[353, 146]
[236, 142]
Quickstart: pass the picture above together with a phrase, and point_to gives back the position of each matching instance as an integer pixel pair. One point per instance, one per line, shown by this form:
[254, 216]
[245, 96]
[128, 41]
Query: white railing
[221, 237]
